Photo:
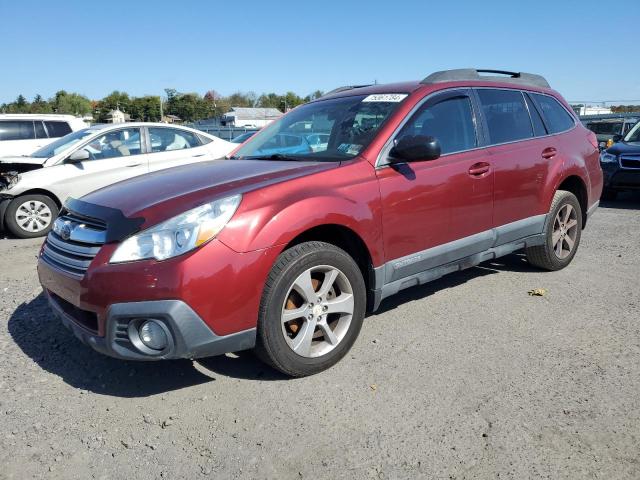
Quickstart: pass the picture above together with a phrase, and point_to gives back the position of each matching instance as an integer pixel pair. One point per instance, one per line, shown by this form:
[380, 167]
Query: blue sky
[584, 48]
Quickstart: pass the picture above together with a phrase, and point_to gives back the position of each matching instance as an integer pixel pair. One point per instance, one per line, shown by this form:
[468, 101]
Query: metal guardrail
[226, 133]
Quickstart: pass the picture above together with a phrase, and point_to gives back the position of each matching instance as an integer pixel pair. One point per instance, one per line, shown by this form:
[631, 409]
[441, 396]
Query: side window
[57, 129]
[17, 130]
[539, 129]
[450, 121]
[169, 139]
[40, 131]
[506, 115]
[119, 143]
[557, 118]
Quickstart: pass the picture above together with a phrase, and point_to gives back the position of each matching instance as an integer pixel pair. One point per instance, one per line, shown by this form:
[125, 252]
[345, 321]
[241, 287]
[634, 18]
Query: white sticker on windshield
[386, 97]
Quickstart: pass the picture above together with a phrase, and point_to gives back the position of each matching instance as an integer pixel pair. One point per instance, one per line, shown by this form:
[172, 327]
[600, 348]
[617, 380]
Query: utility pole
[161, 114]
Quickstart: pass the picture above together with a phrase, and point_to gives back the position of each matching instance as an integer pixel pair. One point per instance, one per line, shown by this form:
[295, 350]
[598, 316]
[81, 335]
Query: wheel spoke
[558, 249]
[302, 341]
[570, 242]
[292, 314]
[555, 237]
[329, 336]
[341, 304]
[304, 287]
[327, 283]
[567, 213]
[571, 223]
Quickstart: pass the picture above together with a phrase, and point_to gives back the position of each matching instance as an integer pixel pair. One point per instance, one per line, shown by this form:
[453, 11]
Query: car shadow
[55, 349]
[624, 201]
[44, 339]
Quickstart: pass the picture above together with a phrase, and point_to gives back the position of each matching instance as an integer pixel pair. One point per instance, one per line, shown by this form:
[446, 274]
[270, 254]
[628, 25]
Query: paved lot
[468, 377]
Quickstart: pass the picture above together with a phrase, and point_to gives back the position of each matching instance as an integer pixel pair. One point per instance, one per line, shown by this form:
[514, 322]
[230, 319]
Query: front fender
[275, 216]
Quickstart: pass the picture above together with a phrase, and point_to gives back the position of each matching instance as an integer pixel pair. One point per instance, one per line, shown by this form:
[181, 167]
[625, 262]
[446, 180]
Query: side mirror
[414, 148]
[79, 156]
[617, 138]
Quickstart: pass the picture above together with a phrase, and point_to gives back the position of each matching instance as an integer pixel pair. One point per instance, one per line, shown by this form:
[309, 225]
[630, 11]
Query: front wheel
[30, 216]
[563, 231]
[312, 309]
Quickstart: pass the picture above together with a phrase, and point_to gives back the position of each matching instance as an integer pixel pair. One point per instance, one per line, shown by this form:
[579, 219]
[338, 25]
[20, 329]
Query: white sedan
[33, 188]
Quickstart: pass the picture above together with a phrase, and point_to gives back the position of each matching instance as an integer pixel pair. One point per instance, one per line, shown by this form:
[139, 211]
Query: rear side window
[168, 139]
[17, 130]
[450, 121]
[557, 118]
[57, 129]
[506, 115]
[539, 129]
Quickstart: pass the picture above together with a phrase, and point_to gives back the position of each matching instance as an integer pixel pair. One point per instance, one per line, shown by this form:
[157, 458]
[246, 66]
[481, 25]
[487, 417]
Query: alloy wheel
[565, 231]
[317, 311]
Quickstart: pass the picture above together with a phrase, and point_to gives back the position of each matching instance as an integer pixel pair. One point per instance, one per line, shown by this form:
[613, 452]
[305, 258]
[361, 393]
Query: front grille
[87, 319]
[83, 238]
[631, 162]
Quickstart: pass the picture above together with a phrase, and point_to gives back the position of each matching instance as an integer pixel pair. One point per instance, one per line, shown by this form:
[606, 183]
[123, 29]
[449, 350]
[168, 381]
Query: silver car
[33, 188]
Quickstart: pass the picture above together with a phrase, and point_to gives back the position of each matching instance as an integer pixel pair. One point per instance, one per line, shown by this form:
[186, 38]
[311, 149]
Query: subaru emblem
[65, 231]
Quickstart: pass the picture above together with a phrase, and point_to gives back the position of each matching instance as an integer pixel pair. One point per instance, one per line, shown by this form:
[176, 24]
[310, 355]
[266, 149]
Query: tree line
[189, 107]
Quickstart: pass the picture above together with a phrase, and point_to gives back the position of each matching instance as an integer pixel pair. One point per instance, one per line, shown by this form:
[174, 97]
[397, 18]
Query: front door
[438, 211]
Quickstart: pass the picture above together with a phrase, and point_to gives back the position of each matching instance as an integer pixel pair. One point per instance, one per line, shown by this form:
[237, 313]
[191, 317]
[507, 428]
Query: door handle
[199, 155]
[549, 153]
[133, 164]
[479, 169]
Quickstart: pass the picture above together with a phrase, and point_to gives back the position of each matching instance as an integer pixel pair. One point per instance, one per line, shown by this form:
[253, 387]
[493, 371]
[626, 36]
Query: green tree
[71, 103]
[40, 105]
[115, 100]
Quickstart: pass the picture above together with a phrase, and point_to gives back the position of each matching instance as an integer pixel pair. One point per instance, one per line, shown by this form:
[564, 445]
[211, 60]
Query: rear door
[18, 137]
[172, 147]
[522, 155]
[432, 210]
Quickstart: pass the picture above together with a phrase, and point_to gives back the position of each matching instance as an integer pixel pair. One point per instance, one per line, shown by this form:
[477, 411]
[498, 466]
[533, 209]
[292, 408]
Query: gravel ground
[468, 377]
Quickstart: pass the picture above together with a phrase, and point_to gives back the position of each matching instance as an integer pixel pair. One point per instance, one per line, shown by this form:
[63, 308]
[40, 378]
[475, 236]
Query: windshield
[62, 144]
[634, 134]
[329, 130]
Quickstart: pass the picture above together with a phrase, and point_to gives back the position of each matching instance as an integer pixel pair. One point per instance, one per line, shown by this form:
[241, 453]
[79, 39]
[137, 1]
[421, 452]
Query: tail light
[593, 140]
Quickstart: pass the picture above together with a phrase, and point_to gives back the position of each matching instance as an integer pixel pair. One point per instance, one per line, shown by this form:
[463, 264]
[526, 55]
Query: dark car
[283, 249]
[610, 128]
[621, 165]
[243, 137]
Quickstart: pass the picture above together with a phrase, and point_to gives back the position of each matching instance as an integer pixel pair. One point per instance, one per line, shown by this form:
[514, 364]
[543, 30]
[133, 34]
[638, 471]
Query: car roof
[115, 126]
[34, 116]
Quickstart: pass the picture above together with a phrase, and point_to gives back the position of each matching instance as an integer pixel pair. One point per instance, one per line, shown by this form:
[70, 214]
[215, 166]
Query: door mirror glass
[79, 156]
[414, 148]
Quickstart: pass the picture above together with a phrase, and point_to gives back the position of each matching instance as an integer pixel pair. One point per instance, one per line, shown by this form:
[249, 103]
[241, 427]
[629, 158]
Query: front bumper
[189, 335]
[616, 178]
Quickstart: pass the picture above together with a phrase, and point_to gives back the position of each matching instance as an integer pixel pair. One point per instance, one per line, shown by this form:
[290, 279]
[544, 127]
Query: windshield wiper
[275, 156]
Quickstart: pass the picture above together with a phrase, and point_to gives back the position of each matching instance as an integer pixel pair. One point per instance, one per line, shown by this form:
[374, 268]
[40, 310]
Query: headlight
[179, 234]
[608, 158]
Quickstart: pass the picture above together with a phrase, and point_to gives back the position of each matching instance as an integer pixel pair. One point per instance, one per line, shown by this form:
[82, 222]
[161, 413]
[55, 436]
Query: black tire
[16, 229]
[544, 256]
[271, 345]
[608, 194]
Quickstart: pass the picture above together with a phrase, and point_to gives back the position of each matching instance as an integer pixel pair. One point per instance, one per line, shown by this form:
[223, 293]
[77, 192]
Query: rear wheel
[312, 309]
[30, 216]
[563, 232]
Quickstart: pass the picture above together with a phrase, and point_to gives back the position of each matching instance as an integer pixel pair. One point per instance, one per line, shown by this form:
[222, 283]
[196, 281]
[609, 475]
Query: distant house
[250, 117]
[117, 116]
[171, 119]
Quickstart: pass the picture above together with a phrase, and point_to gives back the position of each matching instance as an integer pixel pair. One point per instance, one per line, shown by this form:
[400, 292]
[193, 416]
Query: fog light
[153, 335]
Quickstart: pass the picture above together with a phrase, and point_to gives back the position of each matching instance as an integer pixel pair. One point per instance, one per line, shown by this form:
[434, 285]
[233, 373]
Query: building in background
[582, 110]
[250, 117]
[117, 116]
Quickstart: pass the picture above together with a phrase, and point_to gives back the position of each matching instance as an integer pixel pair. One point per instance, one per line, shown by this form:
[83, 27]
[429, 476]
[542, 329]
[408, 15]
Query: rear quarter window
[557, 118]
[57, 129]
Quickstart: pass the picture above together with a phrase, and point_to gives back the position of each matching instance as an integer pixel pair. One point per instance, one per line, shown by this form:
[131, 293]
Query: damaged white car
[33, 188]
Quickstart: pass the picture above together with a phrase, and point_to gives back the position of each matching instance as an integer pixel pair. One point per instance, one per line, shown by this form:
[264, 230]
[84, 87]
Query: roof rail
[464, 74]
[345, 88]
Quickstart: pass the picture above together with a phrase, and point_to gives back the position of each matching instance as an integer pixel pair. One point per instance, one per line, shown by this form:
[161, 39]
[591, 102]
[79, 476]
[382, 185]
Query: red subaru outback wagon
[337, 205]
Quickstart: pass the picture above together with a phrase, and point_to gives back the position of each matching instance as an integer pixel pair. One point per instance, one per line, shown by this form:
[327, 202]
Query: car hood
[20, 164]
[161, 195]
[624, 147]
